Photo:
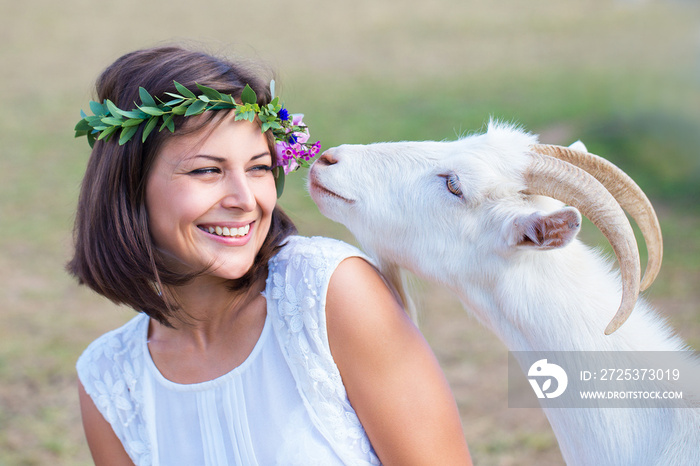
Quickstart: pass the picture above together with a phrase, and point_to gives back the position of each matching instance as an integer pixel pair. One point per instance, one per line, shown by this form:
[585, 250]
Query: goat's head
[432, 207]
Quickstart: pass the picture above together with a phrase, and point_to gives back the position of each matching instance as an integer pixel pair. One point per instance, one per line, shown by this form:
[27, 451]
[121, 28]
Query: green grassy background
[624, 76]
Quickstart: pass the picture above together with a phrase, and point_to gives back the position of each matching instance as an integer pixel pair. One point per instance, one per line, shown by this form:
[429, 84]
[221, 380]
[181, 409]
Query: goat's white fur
[532, 297]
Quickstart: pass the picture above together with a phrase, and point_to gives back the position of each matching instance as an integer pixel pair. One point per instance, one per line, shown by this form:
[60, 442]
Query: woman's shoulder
[111, 373]
[119, 344]
[318, 249]
[304, 266]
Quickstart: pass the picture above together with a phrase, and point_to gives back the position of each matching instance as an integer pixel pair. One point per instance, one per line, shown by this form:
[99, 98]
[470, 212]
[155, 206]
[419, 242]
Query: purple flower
[286, 157]
[295, 149]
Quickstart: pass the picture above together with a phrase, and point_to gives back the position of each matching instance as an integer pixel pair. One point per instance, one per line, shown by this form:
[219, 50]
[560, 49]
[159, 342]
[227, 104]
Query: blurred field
[622, 75]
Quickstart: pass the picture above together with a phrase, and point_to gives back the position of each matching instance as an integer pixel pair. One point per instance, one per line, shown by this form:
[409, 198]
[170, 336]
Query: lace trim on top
[296, 290]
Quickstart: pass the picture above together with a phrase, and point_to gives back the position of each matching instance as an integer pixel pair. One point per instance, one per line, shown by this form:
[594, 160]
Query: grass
[621, 75]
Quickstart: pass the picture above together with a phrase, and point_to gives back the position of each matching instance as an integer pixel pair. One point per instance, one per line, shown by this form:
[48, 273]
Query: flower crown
[289, 131]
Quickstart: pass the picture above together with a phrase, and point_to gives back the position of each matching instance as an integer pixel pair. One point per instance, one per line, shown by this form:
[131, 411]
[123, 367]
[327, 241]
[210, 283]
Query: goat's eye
[452, 182]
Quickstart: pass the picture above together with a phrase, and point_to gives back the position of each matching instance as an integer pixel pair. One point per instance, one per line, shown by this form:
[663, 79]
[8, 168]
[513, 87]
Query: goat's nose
[327, 158]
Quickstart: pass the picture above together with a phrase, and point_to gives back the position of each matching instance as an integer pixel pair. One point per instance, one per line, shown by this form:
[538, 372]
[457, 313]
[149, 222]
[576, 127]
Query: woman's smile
[223, 231]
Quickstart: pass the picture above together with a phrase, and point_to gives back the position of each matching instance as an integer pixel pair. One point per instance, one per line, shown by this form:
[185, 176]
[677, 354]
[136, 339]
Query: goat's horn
[548, 176]
[627, 193]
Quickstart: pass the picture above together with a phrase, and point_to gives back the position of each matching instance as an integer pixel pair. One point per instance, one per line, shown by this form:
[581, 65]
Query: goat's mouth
[316, 190]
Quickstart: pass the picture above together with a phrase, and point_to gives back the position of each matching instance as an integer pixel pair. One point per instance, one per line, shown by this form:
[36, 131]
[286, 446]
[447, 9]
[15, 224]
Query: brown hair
[114, 253]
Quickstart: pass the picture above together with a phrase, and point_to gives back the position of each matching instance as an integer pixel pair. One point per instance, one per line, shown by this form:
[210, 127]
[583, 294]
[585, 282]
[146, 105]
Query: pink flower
[297, 120]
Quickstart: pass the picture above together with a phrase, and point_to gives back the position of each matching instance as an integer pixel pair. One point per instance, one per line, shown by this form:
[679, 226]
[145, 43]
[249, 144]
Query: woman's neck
[207, 309]
[217, 331]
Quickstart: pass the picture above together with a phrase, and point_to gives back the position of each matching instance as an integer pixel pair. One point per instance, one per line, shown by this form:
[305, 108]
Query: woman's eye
[205, 171]
[453, 186]
[262, 168]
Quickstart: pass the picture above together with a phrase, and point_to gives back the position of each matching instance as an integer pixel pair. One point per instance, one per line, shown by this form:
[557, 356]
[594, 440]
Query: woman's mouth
[231, 232]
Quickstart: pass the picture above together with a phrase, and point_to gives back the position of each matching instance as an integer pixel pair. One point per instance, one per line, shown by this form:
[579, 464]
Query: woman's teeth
[226, 231]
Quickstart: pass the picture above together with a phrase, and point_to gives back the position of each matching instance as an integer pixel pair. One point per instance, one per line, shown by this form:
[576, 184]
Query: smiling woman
[252, 345]
[114, 253]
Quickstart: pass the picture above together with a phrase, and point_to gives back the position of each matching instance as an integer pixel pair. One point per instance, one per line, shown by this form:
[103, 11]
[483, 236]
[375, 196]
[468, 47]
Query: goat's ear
[546, 231]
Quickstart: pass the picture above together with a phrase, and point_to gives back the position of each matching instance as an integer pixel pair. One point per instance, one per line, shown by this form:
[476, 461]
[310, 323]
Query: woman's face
[210, 197]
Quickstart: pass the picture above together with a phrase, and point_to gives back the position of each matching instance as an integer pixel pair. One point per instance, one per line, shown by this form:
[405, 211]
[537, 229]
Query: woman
[252, 345]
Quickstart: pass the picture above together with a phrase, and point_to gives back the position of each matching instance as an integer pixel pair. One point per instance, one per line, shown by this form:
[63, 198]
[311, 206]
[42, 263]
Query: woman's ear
[546, 231]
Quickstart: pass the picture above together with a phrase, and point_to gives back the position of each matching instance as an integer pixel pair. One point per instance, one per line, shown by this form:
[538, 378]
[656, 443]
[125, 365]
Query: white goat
[479, 215]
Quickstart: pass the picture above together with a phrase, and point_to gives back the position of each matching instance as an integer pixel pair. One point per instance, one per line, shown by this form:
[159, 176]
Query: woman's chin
[229, 271]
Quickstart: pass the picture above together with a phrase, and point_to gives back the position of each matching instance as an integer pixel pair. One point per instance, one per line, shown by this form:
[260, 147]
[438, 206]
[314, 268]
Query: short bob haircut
[114, 252]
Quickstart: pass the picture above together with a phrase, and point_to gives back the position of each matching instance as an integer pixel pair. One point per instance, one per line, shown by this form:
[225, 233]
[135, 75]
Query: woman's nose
[239, 194]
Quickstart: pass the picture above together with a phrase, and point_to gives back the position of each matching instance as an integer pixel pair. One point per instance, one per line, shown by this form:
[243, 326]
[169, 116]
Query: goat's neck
[562, 301]
[559, 300]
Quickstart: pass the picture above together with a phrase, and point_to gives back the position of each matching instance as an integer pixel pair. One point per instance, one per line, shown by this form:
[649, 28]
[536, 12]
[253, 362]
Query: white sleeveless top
[284, 405]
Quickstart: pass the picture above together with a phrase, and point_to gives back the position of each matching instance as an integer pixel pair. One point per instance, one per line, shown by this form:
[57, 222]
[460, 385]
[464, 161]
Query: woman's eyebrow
[264, 154]
[213, 158]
